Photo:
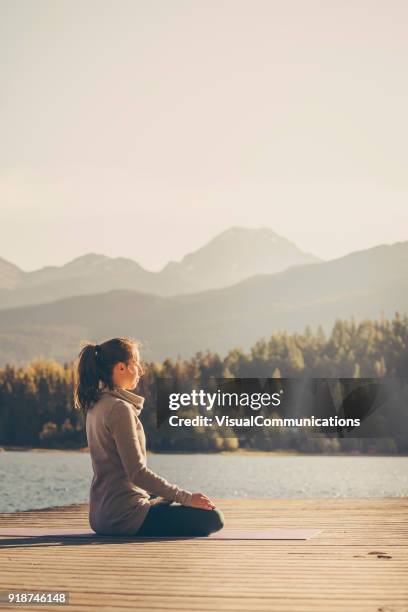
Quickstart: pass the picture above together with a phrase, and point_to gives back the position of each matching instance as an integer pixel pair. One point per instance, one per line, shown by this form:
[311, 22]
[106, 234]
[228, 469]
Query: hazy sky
[144, 128]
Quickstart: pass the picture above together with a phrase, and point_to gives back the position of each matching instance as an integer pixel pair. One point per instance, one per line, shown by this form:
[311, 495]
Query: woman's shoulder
[118, 407]
[107, 405]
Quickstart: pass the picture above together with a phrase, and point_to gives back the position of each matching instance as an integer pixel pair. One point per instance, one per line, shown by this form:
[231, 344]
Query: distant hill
[361, 284]
[10, 275]
[230, 257]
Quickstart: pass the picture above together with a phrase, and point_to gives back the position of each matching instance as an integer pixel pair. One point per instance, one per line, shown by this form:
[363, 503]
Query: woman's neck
[129, 396]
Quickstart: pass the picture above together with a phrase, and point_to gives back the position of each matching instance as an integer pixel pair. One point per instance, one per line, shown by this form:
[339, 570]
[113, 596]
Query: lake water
[33, 480]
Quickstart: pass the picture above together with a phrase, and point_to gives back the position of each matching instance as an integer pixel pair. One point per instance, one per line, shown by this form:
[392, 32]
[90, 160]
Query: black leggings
[176, 520]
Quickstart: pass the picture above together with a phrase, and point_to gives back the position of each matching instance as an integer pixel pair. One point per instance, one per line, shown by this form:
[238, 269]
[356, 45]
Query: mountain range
[232, 256]
[362, 284]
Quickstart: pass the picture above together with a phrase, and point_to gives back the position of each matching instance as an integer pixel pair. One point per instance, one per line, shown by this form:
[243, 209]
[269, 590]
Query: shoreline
[85, 449]
[242, 451]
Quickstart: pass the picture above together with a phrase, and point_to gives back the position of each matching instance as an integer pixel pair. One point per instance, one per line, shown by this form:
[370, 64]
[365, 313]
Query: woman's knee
[215, 520]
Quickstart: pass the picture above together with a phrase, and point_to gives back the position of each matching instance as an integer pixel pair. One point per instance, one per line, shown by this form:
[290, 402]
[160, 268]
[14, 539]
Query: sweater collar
[137, 401]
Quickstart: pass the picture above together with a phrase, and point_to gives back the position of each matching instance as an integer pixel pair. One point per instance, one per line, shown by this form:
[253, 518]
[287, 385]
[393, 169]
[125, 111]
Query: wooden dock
[359, 563]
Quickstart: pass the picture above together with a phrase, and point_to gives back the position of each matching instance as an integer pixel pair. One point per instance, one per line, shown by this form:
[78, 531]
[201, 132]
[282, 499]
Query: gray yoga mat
[223, 534]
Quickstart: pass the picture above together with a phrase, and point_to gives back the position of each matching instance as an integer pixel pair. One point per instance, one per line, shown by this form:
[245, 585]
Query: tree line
[36, 400]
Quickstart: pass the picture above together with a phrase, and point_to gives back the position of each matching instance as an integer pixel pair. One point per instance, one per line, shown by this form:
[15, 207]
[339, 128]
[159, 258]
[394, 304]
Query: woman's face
[127, 375]
[135, 369]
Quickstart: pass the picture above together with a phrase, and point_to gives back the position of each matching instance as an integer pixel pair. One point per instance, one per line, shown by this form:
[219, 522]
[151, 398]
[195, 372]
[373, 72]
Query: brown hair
[95, 365]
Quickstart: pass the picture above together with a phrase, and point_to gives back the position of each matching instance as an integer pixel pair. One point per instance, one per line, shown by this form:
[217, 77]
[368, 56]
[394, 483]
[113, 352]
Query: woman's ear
[118, 367]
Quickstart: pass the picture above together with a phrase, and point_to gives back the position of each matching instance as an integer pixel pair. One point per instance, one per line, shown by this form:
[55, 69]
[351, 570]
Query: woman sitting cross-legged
[119, 502]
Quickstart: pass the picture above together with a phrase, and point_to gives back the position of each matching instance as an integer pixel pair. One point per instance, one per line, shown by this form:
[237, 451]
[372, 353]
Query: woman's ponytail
[89, 371]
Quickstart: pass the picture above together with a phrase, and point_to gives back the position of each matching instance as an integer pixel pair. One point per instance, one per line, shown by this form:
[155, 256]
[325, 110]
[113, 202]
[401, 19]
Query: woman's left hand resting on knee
[199, 500]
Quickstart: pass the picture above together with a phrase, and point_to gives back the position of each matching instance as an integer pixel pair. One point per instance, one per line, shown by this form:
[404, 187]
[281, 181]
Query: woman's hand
[199, 500]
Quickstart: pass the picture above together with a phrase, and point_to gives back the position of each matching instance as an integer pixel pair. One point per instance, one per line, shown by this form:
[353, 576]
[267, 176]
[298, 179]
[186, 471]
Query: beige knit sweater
[119, 496]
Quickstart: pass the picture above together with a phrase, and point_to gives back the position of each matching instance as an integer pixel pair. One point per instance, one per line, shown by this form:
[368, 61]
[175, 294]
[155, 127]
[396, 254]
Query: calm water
[31, 480]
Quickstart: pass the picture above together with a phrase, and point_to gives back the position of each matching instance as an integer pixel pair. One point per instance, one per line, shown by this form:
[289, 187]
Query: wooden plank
[358, 563]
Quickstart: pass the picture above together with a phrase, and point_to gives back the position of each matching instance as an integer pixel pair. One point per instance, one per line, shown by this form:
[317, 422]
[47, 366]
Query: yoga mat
[223, 534]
